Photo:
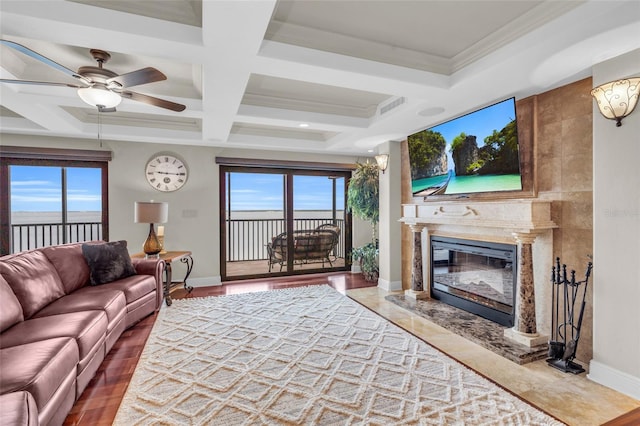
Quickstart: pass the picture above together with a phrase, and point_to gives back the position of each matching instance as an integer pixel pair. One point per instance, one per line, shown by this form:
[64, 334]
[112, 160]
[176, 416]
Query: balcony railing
[30, 236]
[247, 239]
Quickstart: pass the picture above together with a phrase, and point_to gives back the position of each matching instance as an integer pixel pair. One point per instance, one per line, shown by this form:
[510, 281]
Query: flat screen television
[475, 153]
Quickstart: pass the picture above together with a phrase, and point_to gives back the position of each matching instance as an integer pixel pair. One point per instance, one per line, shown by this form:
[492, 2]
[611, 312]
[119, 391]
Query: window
[49, 201]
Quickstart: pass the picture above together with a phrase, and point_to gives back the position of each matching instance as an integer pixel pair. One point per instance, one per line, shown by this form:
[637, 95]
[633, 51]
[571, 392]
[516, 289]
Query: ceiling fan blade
[162, 103]
[136, 78]
[40, 83]
[35, 55]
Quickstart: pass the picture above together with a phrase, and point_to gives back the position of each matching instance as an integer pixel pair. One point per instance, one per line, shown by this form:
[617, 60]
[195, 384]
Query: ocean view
[21, 218]
[248, 233]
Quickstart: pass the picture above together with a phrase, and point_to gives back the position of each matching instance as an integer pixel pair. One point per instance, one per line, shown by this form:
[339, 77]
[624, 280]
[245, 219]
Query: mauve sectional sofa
[57, 325]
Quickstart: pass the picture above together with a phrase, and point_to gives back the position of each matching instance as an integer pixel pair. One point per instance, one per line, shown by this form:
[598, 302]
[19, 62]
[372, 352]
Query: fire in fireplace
[479, 277]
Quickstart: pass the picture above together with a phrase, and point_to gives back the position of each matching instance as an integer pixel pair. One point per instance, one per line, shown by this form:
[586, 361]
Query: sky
[39, 189]
[480, 123]
[259, 191]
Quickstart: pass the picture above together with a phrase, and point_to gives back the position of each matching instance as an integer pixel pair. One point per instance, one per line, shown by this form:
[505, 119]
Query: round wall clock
[166, 172]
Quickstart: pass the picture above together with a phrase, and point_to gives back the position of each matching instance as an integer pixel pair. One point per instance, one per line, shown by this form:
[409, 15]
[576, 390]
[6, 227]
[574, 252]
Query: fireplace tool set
[566, 295]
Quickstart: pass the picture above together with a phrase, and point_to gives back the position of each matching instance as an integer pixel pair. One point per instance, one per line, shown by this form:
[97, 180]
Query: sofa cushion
[38, 367]
[88, 328]
[108, 262]
[111, 301]
[33, 279]
[135, 286]
[18, 408]
[70, 264]
[11, 312]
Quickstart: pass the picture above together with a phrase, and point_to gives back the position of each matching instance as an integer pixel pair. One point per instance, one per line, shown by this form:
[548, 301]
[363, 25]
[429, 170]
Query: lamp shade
[99, 96]
[150, 212]
[617, 99]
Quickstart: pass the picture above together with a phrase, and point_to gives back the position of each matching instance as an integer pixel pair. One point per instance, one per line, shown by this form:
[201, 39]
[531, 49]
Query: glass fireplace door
[479, 277]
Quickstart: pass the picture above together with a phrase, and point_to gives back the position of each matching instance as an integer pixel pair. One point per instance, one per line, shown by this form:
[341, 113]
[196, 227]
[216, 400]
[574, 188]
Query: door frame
[289, 173]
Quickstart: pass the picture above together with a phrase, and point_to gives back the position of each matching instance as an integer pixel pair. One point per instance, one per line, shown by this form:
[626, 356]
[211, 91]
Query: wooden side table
[168, 257]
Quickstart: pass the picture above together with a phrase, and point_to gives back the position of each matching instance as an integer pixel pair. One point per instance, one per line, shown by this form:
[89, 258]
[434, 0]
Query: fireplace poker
[572, 345]
[572, 307]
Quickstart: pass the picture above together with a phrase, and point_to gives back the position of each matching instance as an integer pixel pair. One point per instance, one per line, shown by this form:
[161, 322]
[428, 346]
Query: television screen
[477, 152]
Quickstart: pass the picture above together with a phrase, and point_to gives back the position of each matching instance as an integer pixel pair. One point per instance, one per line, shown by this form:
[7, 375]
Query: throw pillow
[108, 262]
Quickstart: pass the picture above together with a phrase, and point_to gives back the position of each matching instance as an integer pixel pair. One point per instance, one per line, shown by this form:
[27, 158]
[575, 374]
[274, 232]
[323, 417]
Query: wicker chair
[309, 246]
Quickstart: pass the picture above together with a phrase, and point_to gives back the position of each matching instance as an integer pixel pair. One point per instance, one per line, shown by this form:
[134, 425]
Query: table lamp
[150, 212]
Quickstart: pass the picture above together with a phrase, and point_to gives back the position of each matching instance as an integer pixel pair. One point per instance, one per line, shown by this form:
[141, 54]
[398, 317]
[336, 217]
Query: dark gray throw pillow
[108, 262]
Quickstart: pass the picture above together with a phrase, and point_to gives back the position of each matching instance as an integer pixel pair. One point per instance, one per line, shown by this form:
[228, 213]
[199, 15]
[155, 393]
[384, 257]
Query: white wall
[390, 213]
[193, 210]
[616, 223]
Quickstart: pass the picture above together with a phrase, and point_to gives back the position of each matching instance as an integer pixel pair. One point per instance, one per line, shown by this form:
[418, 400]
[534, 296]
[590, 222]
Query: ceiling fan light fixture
[96, 96]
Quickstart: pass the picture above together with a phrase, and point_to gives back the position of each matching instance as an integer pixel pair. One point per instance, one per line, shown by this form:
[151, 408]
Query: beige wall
[564, 174]
[616, 183]
[193, 210]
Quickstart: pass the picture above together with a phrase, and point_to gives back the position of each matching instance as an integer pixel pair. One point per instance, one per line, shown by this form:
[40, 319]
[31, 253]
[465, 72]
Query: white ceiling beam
[232, 32]
[292, 118]
[275, 143]
[19, 125]
[144, 134]
[304, 64]
[47, 115]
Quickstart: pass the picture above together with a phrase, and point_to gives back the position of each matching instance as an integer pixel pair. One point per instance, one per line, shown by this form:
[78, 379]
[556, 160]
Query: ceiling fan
[99, 86]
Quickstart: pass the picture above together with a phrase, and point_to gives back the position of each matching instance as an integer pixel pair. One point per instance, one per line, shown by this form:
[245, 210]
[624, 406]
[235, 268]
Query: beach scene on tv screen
[477, 152]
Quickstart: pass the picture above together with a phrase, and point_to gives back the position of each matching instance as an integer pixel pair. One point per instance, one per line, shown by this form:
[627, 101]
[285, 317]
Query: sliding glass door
[254, 213]
[318, 203]
[282, 222]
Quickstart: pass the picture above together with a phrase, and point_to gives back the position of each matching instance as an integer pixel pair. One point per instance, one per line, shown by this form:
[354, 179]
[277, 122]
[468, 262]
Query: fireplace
[479, 277]
[522, 227]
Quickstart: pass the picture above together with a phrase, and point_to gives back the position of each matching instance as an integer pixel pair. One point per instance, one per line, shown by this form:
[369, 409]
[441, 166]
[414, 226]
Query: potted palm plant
[362, 201]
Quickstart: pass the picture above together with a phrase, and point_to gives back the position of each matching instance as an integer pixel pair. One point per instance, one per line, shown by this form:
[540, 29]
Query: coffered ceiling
[317, 76]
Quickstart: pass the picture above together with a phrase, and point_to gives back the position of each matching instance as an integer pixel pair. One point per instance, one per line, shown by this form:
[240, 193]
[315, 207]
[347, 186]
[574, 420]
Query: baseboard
[205, 281]
[389, 285]
[614, 379]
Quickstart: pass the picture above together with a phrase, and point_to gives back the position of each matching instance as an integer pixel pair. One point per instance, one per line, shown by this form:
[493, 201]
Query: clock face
[166, 172]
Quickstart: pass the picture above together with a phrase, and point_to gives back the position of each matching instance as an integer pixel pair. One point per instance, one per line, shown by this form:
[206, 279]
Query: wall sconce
[383, 161]
[150, 212]
[618, 98]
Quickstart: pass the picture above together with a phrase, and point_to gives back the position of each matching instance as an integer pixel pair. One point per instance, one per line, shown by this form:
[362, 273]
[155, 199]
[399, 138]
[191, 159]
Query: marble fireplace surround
[524, 222]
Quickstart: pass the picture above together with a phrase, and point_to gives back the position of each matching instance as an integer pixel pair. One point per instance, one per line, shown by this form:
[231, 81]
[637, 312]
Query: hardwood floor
[99, 402]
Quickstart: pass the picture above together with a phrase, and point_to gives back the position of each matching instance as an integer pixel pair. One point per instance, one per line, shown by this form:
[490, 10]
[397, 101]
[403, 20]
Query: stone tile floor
[574, 399]
[484, 332]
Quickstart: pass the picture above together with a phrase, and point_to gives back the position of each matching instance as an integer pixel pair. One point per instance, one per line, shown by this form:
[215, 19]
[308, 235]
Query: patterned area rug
[303, 356]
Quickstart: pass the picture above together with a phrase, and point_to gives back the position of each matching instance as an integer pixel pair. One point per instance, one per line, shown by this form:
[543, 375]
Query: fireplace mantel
[519, 221]
[510, 216]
